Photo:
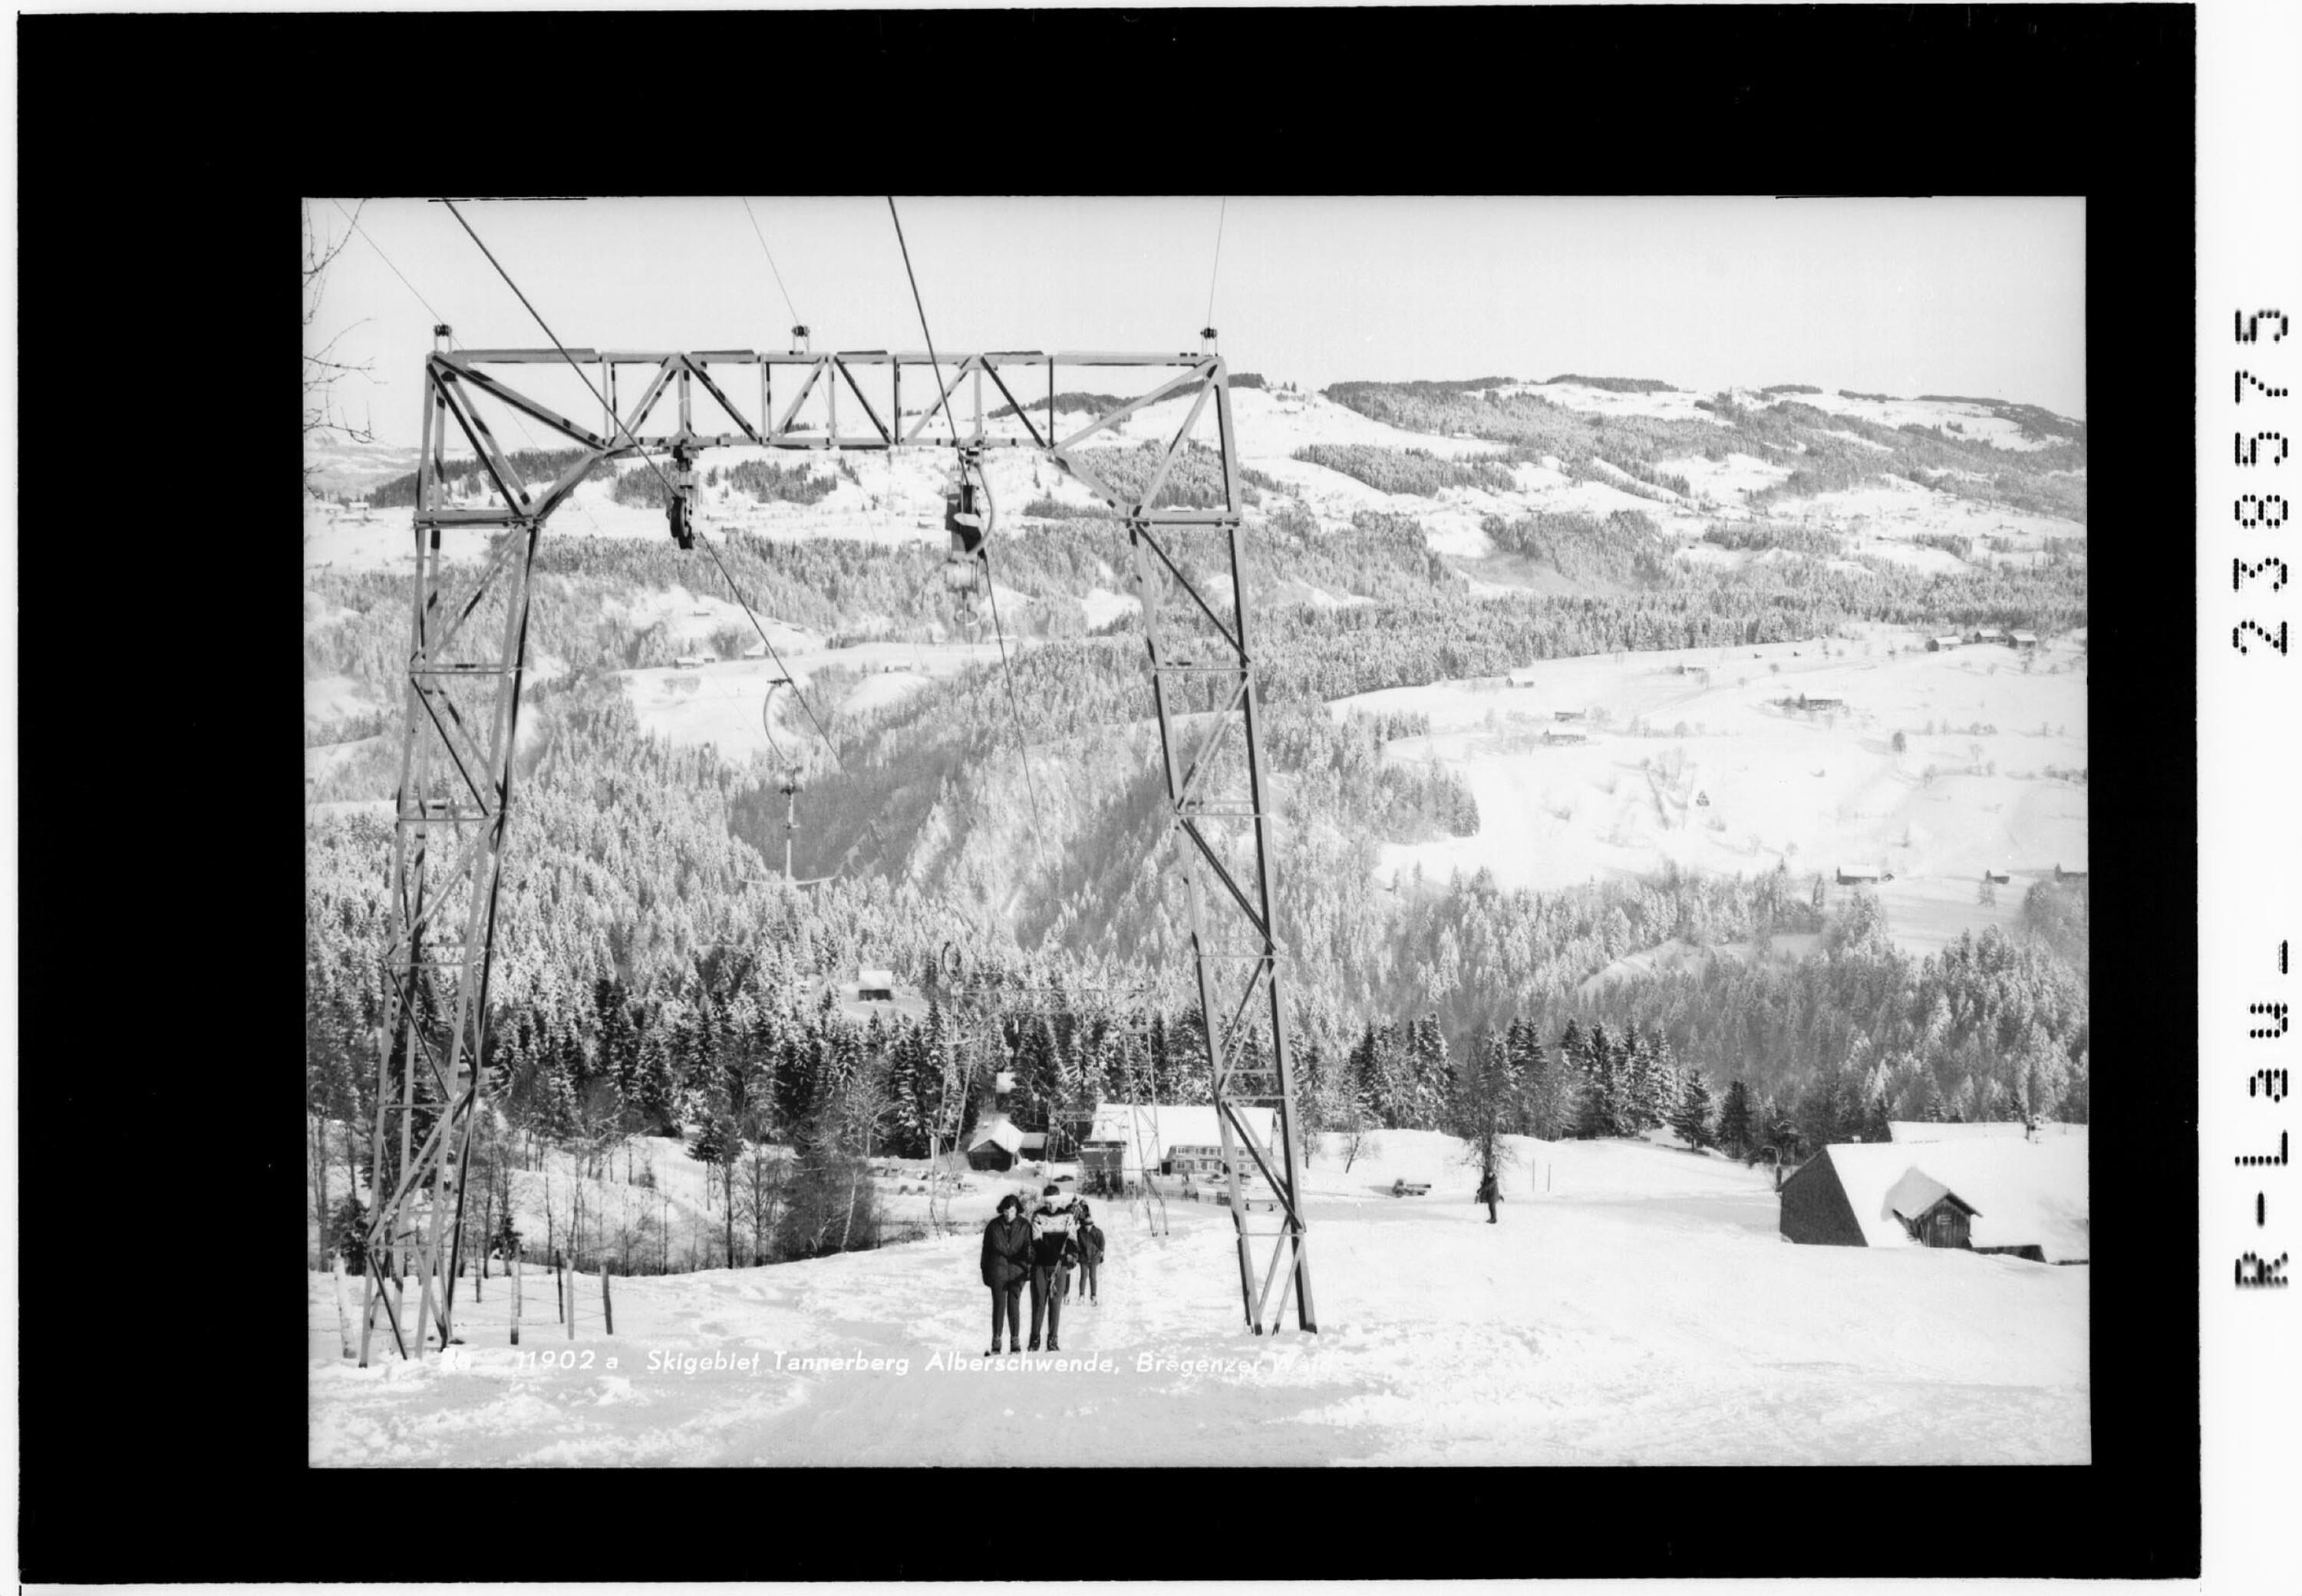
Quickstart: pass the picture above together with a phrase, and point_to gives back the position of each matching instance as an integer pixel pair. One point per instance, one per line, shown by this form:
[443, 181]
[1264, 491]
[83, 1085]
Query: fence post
[607, 1302]
[558, 1286]
[343, 1312]
[567, 1292]
[513, 1264]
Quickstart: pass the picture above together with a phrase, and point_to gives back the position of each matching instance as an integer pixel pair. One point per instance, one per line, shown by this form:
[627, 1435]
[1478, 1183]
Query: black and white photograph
[1392, 830]
[1047, 748]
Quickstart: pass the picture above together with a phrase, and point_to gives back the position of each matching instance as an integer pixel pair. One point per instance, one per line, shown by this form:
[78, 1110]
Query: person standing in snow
[1090, 1252]
[1054, 1246]
[1006, 1264]
[1490, 1193]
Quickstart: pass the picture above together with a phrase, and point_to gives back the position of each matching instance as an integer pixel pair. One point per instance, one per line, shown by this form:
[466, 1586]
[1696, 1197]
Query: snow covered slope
[1641, 1309]
[1819, 788]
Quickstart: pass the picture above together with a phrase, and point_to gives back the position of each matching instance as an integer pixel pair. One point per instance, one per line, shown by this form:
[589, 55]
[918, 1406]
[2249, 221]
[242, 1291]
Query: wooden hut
[1931, 1212]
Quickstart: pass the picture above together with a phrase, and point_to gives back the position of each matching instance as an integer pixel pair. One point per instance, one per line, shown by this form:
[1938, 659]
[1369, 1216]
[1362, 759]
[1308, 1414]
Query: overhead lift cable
[1218, 266]
[771, 259]
[724, 573]
[436, 317]
[991, 586]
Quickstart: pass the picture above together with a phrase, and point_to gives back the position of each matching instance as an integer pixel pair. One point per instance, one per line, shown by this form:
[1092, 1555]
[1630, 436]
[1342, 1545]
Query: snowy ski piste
[1644, 1309]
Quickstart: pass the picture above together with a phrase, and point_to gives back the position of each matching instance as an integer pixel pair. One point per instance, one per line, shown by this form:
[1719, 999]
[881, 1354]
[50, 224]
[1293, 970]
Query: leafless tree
[322, 370]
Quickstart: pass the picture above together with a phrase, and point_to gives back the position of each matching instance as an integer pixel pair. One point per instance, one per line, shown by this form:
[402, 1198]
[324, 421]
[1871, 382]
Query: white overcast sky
[1984, 297]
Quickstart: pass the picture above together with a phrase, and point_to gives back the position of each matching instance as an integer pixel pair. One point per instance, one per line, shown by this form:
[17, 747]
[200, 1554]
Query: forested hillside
[656, 976]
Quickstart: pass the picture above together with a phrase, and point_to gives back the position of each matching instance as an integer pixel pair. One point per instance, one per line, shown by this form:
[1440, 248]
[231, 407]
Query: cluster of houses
[758, 650]
[1988, 1188]
[2006, 1188]
[2006, 637]
[1120, 1143]
[1110, 1145]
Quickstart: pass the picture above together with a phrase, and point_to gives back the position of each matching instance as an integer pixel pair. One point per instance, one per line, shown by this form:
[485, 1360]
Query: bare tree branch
[321, 374]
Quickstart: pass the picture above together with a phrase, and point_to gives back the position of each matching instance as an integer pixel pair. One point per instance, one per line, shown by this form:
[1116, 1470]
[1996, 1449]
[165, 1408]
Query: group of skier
[1060, 1235]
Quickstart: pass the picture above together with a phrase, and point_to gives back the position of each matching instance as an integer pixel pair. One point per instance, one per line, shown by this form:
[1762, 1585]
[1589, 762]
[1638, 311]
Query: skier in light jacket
[1054, 1247]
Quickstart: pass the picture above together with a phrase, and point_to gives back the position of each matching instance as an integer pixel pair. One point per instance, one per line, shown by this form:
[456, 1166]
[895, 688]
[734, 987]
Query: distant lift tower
[468, 656]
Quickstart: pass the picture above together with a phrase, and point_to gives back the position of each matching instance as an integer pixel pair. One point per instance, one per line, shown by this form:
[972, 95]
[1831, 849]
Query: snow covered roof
[879, 979]
[1918, 1191]
[1000, 1129]
[2023, 1193]
[1924, 1131]
[996, 1127]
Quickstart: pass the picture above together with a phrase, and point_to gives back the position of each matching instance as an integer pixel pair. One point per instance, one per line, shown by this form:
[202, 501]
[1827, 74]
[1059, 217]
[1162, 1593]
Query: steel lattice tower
[469, 657]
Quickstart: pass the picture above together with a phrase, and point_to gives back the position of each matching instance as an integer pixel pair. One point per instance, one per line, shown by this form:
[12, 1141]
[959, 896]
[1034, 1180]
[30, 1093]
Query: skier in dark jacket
[1054, 1247]
[1090, 1252]
[1490, 1193]
[1006, 1264]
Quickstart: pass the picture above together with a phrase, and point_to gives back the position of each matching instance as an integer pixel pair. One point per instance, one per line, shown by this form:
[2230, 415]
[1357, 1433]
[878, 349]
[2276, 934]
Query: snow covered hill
[1693, 758]
[1635, 1305]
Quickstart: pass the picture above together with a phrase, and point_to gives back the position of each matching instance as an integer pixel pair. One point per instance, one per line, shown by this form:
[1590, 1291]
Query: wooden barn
[1861, 875]
[855, 1001]
[1564, 735]
[1986, 1194]
[2023, 640]
[999, 1143]
[1568, 715]
[1936, 645]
